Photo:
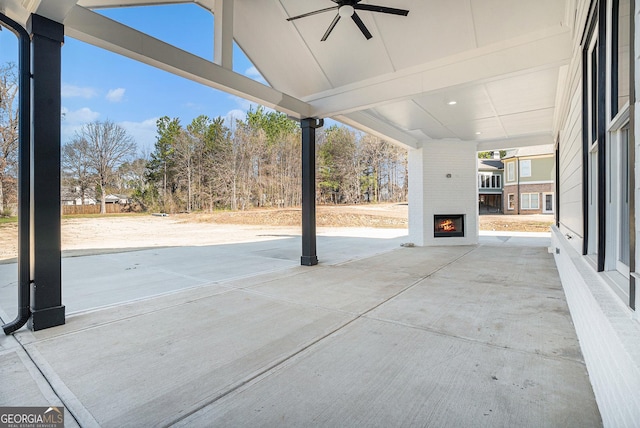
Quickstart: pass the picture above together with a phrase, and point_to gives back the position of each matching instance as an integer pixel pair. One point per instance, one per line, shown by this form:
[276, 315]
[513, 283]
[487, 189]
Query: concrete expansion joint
[253, 292]
[50, 385]
[308, 347]
[262, 373]
[477, 341]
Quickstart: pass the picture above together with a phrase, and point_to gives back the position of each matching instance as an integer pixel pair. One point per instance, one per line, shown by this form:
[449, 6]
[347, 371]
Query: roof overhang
[486, 75]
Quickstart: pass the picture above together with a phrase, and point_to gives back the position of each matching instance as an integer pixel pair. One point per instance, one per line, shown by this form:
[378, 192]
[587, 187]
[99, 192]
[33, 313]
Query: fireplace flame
[447, 225]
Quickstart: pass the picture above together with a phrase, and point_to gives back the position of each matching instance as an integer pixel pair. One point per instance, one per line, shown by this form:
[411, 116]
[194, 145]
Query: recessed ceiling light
[478, 133]
[452, 103]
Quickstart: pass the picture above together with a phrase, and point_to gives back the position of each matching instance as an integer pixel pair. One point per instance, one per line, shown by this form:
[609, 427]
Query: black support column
[46, 295]
[602, 134]
[24, 177]
[309, 125]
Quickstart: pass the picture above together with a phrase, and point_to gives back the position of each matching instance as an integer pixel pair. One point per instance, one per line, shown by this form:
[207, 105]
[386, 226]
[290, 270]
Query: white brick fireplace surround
[443, 181]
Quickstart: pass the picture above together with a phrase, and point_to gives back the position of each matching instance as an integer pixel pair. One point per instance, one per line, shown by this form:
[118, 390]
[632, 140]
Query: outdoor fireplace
[448, 225]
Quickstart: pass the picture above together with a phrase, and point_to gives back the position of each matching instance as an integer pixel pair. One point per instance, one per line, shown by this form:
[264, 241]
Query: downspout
[24, 196]
[518, 183]
[632, 160]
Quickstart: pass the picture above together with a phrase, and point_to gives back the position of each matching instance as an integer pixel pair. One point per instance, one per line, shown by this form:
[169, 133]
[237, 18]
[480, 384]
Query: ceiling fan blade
[381, 9]
[361, 25]
[304, 15]
[331, 27]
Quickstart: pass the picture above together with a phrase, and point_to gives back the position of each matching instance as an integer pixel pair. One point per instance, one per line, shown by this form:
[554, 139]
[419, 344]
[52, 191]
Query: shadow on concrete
[94, 278]
[376, 335]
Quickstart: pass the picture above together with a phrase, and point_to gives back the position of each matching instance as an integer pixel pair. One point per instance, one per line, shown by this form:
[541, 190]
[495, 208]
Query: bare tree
[186, 148]
[108, 147]
[76, 166]
[8, 133]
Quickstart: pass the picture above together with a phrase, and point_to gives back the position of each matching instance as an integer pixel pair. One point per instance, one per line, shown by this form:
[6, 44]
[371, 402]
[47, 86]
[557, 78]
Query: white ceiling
[499, 60]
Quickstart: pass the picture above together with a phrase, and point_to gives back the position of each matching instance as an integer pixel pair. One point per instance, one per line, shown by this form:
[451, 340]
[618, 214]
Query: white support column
[443, 181]
[223, 34]
[416, 197]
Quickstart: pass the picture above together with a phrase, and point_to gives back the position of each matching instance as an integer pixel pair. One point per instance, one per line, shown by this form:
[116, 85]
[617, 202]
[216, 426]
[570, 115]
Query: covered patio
[458, 329]
[431, 336]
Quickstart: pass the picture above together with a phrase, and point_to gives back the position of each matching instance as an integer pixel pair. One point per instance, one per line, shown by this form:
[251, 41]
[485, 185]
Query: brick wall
[525, 188]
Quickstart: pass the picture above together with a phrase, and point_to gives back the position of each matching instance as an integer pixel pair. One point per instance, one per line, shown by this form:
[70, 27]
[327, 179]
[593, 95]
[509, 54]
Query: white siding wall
[608, 333]
[571, 154]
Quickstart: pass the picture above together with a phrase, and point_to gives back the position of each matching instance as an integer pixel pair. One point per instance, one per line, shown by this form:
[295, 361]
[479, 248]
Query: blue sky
[100, 85]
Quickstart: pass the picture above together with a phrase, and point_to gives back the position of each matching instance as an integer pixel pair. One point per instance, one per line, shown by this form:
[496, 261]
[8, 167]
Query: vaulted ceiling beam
[223, 37]
[367, 123]
[550, 48]
[93, 28]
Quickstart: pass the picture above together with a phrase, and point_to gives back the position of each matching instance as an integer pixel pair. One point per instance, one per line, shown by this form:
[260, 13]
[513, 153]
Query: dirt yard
[93, 234]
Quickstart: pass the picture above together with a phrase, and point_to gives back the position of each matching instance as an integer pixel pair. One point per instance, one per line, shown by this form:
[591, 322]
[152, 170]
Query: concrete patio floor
[376, 335]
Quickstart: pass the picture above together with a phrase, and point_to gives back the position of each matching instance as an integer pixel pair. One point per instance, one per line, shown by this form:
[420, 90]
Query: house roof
[500, 61]
[547, 149]
[490, 164]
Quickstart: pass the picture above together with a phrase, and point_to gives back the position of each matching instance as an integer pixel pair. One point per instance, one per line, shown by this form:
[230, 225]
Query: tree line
[207, 164]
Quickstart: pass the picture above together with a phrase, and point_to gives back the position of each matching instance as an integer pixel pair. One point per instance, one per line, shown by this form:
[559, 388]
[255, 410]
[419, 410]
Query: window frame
[544, 200]
[528, 197]
[525, 171]
[489, 180]
[511, 171]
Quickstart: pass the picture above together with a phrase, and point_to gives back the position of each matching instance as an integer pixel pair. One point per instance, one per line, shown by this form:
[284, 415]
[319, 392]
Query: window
[593, 126]
[487, 180]
[548, 201]
[511, 201]
[511, 175]
[530, 201]
[623, 228]
[525, 168]
[607, 168]
[620, 42]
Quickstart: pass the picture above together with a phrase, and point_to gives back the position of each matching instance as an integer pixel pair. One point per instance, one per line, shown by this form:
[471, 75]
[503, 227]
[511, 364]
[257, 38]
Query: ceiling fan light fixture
[346, 11]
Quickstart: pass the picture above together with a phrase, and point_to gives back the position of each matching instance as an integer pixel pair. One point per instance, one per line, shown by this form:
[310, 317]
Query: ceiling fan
[346, 9]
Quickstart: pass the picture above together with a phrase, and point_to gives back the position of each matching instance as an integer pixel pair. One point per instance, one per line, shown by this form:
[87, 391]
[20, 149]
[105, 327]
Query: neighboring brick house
[529, 180]
[490, 181]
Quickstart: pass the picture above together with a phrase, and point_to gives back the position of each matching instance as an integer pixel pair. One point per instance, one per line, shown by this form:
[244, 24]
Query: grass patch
[8, 220]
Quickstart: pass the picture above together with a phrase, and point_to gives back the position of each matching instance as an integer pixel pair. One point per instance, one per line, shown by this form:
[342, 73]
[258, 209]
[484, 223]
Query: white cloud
[72, 121]
[71, 91]
[143, 133]
[253, 73]
[195, 106]
[244, 104]
[81, 116]
[233, 115]
[241, 112]
[115, 95]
